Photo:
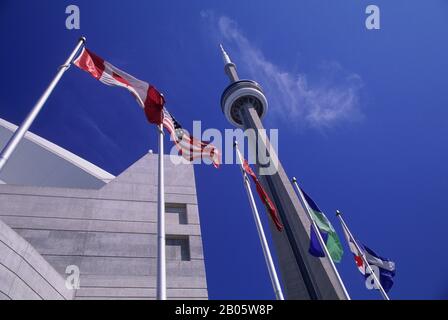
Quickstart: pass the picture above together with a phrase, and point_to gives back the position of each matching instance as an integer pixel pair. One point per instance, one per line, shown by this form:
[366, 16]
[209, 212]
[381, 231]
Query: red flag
[264, 197]
[154, 106]
[146, 95]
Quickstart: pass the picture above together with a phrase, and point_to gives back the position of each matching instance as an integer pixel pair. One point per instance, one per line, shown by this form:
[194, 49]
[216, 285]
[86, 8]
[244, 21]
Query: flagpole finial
[294, 180]
[235, 143]
[83, 39]
[338, 213]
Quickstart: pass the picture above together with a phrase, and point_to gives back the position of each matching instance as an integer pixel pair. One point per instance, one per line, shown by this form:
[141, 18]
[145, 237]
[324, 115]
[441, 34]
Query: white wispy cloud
[332, 100]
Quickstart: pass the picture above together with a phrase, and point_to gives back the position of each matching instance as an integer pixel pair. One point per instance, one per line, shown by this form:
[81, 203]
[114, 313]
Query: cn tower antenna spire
[229, 66]
[225, 56]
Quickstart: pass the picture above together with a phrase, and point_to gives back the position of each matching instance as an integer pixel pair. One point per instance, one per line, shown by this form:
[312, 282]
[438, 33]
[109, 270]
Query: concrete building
[58, 210]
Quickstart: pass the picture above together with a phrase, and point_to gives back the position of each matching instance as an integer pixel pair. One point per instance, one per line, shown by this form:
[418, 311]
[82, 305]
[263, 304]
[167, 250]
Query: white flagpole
[319, 237]
[363, 257]
[264, 242]
[161, 262]
[26, 124]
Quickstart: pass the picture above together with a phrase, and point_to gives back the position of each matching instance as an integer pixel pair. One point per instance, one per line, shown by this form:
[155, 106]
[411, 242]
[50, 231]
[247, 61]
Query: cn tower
[303, 276]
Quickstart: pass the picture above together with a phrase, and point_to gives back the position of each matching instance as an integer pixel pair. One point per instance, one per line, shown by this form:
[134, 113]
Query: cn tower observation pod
[240, 94]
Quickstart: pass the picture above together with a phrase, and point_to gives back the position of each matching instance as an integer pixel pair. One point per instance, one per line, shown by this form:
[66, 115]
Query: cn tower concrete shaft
[303, 276]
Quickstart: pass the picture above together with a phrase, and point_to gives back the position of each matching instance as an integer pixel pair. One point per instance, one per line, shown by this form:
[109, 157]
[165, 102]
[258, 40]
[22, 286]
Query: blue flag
[385, 266]
[315, 247]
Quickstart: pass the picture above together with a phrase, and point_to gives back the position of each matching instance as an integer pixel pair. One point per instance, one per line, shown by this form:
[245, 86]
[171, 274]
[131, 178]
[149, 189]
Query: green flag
[327, 231]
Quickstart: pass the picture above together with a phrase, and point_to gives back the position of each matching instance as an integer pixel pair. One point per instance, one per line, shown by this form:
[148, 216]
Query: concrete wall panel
[24, 273]
[109, 234]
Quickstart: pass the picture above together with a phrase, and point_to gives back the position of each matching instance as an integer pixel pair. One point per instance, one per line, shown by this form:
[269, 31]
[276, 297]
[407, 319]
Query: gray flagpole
[26, 124]
[363, 257]
[319, 236]
[161, 259]
[264, 242]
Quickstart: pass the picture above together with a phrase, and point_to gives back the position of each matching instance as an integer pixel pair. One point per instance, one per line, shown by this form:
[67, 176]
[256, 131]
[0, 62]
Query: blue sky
[362, 114]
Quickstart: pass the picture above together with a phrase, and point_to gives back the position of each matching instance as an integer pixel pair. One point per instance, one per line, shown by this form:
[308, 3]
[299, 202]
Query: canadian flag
[147, 96]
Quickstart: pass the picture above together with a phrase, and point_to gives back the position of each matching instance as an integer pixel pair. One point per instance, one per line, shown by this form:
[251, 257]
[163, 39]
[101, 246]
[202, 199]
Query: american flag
[189, 147]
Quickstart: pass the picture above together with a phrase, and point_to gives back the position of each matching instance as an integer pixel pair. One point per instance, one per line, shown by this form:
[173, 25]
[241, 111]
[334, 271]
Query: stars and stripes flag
[385, 266]
[189, 147]
[147, 96]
